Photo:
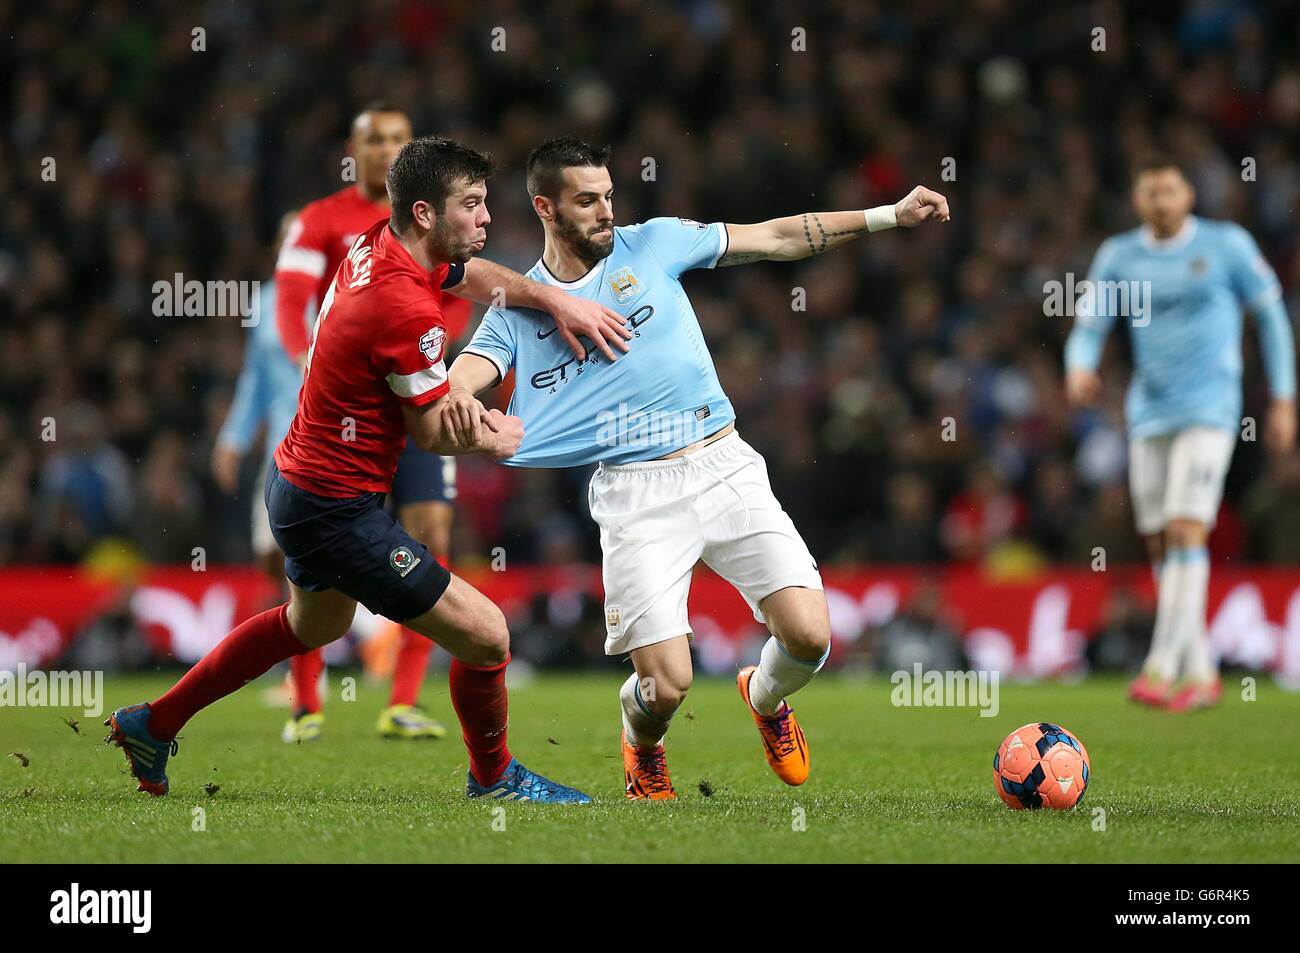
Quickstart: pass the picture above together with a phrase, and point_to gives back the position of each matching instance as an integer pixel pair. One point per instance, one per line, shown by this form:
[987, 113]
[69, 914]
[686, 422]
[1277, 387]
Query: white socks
[779, 674]
[1180, 639]
[1162, 660]
[1194, 641]
[643, 727]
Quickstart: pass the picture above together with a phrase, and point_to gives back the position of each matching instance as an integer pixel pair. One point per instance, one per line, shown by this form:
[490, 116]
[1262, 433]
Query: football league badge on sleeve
[431, 344]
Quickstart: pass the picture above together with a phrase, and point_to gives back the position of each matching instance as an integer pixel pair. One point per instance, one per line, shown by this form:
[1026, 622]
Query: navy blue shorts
[423, 477]
[355, 546]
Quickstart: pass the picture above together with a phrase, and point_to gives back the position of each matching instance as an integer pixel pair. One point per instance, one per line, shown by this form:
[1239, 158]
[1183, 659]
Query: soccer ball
[1041, 765]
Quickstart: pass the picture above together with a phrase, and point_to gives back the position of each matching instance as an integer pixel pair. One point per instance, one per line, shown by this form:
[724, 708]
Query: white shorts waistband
[676, 463]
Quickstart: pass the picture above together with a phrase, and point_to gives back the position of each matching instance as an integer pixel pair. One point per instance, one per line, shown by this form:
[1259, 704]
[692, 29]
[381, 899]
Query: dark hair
[546, 163]
[377, 106]
[1156, 162]
[428, 169]
[380, 106]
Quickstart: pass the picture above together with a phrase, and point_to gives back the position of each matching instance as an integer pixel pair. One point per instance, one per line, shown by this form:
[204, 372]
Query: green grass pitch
[888, 784]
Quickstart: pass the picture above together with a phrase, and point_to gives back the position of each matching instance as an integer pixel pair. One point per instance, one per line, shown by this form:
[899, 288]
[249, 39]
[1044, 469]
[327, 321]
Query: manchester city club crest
[625, 285]
[403, 560]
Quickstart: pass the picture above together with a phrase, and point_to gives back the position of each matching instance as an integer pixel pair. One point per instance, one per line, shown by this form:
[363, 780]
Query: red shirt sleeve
[299, 271]
[409, 351]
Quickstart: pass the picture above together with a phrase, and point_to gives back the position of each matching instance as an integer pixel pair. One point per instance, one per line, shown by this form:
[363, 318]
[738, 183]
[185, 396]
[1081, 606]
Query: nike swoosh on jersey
[542, 336]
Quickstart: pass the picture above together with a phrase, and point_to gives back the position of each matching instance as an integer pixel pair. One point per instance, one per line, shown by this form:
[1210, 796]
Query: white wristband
[880, 217]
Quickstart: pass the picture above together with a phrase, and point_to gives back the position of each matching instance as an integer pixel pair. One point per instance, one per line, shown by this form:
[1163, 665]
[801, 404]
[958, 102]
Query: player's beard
[590, 249]
[445, 248]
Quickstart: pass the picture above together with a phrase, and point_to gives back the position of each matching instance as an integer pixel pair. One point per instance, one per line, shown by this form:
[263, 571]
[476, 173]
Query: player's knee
[1185, 534]
[315, 629]
[491, 642]
[664, 692]
[807, 641]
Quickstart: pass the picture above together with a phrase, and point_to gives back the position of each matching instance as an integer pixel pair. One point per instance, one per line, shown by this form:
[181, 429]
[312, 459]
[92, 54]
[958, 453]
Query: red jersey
[317, 242]
[378, 343]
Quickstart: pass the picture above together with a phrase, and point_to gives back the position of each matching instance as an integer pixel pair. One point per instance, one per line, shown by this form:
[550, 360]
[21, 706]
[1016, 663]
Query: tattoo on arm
[816, 245]
[741, 258]
[823, 236]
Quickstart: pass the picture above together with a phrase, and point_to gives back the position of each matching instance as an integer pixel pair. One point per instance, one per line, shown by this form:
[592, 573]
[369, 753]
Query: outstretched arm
[488, 283]
[799, 236]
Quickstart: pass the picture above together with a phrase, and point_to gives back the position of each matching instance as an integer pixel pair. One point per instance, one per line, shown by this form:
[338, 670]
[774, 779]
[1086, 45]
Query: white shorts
[263, 541]
[658, 519]
[1179, 476]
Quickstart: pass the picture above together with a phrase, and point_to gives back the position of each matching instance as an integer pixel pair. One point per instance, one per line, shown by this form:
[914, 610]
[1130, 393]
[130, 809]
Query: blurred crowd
[913, 411]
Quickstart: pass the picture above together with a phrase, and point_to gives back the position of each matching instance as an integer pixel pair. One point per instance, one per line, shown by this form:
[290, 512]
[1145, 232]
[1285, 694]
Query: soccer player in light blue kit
[1184, 402]
[675, 482]
[266, 395]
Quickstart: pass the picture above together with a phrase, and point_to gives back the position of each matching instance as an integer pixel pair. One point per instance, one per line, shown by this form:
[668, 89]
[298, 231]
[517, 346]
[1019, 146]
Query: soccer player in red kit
[375, 372]
[424, 486]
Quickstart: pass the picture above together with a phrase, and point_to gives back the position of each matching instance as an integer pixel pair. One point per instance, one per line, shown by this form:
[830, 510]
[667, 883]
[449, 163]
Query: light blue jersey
[267, 389]
[1186, 333]
[659, 397]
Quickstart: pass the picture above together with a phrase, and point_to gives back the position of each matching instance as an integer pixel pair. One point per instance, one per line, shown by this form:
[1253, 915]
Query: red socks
[246, 653]
[304, 672]
[408, 674]
[483, 707]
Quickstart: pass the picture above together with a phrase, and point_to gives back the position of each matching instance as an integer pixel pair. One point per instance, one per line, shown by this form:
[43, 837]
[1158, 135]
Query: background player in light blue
[1186, 281]
[266, 397]
[675, 483]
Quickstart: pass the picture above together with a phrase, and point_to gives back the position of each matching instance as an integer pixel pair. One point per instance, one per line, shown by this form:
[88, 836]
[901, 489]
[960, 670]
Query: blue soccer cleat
[520, 784]
[129, 730]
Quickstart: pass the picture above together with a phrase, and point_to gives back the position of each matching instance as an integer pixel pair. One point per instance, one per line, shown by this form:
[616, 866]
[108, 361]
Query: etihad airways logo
[553, 377]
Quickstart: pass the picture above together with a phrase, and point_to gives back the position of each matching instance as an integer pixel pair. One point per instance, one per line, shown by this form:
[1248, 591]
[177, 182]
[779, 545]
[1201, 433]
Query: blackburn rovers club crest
[431, 344]
[403, 560]
[625, 285]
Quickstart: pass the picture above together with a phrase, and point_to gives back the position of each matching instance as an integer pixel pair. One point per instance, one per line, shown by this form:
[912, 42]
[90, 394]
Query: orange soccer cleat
[783, 739]
[1149, 691]
[1195, 696]
[645, 773]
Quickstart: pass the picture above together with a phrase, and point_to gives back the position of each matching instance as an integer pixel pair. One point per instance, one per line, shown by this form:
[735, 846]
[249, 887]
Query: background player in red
[424, 485]
[376, 372]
